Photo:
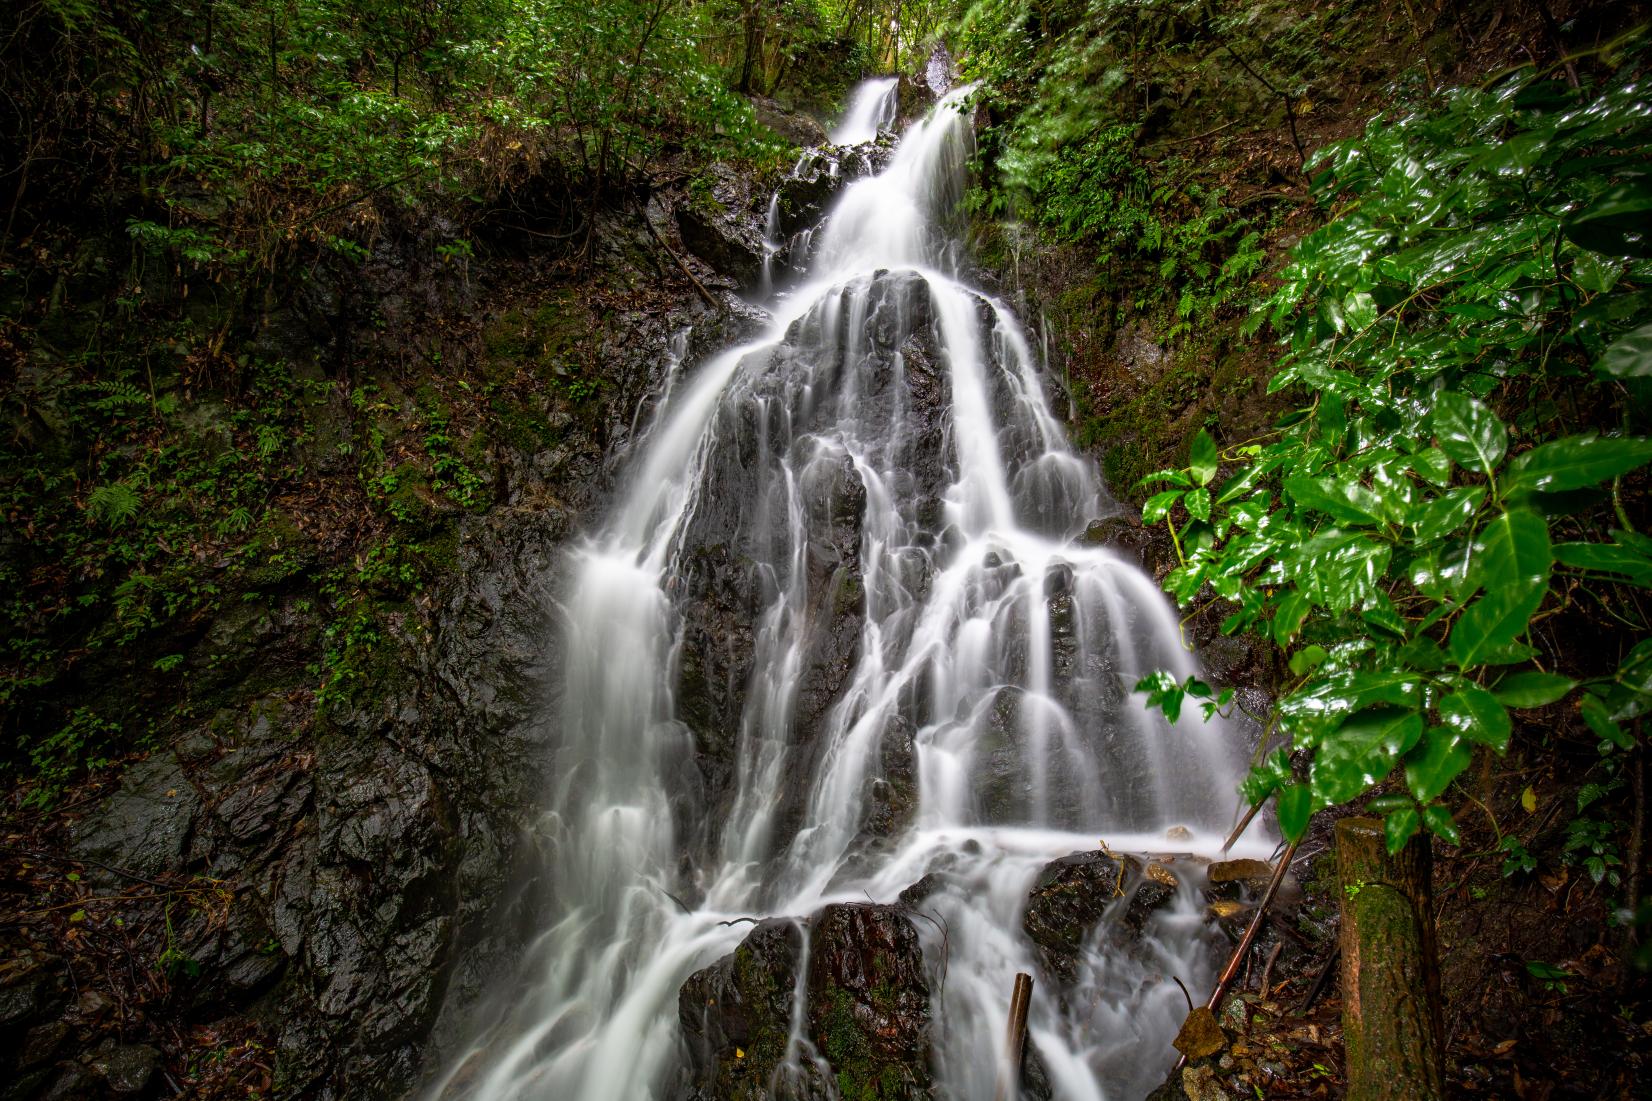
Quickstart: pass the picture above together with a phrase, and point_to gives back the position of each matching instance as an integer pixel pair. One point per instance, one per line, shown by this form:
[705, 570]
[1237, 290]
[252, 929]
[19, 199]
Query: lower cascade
[848, 729]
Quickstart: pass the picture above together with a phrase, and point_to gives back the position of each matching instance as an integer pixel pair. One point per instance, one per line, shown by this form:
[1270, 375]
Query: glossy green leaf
[1171, 477]
[1629, 356]
[1576, 462]
[1197, 503]
[1159, 505]
[1617, 223]
[1362, 751]
[1606, 558]
[1295, 808]
[1469, 432]
[1307, 659]
[1438, 820]
[1433, 465]
[1532, 689]
[1399, 826]
[1513, 565]
[1203, 459]
[1476, 714]
[1325, 704]
[1344, 499]
[1448, 513]
[1432, 765]
[1600, 720]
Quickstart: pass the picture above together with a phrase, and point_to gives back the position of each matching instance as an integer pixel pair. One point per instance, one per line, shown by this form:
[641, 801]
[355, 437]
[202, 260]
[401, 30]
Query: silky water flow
[876, 500]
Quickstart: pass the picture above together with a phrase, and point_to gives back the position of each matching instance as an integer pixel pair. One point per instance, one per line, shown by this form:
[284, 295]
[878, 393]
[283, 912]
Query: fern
[114, 504]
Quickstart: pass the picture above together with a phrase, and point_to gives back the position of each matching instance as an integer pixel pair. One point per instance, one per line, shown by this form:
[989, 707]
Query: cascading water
[839, 635]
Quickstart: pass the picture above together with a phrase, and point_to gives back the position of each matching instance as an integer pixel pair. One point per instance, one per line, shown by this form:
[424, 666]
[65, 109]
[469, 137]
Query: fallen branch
[665, 248]
[1020, 1001]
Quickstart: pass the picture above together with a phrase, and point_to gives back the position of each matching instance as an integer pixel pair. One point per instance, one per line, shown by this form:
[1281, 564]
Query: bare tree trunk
[1391, 1016]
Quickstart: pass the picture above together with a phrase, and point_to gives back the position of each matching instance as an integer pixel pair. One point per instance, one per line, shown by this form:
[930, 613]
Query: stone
[126, 1068]
[731, 247]
[1200, 1036]
[1239, 878]
[143, 828]
[40, 1044]
[32, 990]
[1067, 900]
[736, 1014]
[1203, 1084]
[794, 126]
[73, 1083]
[869, 1001]
[1180, 834]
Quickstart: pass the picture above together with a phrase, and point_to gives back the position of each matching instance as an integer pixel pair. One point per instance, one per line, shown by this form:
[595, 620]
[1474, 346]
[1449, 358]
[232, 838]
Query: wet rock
[33, 988]
[1152, 894]
[1226, 660]
[921, 890]
[125, 1068]
[869, 1001]
[40, 1044]
[736, 1014]
[1238, 879]
[1147, 547]
[1069, 898]
[73, 1083]
[144, 827]
[794, 126]
[733, 246]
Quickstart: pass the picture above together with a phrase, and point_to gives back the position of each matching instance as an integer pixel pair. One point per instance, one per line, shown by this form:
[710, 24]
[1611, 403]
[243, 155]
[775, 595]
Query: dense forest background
[320, 323]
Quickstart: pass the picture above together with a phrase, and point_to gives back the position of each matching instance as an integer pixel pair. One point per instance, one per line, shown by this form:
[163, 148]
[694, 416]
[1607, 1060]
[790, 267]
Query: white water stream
[980, 628]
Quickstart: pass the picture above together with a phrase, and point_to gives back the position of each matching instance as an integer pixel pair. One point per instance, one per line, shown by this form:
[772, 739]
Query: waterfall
[842, 631]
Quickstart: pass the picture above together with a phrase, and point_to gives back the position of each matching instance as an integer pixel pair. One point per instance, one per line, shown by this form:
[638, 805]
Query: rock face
[865, 1012]
[869, 1003]
[736, 1015]
[1075, 894]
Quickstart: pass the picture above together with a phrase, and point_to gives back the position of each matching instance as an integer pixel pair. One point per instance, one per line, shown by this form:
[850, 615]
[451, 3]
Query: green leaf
[1576, 462]
[1447, 513]
[1158, 506]
[1307, 659]
[1469, 432]
[1174, 477]
[1399, 827]
[1197, 503]
[1513, 565]
[1594, 713]
[1438, 820]
[1476, 714]
[1203, 459]
[1343, 499]
[1362, 751]
[1433, 465]
[1324, 705]
[1606, 558]
[1295, 808]
[1617, 223]
[1532, 689]
[1430, 768]
[1629, 356]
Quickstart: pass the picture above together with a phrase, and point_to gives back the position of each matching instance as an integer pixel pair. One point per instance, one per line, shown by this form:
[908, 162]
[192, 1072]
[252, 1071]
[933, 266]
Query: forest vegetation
[280, 280]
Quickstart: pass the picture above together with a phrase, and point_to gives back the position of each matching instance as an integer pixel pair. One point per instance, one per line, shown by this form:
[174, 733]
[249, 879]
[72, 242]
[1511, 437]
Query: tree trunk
[1390, 967]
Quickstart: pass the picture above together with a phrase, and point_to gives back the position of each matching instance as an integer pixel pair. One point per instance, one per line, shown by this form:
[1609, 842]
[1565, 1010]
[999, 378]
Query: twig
[1318, 987]
[698, 286]
[1185, 995]
[122, 872]
[1243, 823]
[1267, 968]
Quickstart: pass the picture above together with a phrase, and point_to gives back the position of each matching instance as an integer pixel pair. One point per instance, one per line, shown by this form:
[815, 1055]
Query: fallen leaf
[1528, 799]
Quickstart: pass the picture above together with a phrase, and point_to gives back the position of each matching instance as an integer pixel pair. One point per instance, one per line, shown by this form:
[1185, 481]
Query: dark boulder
[732, 245]
[794, 126]
[736, 1014]
[869, 1001]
